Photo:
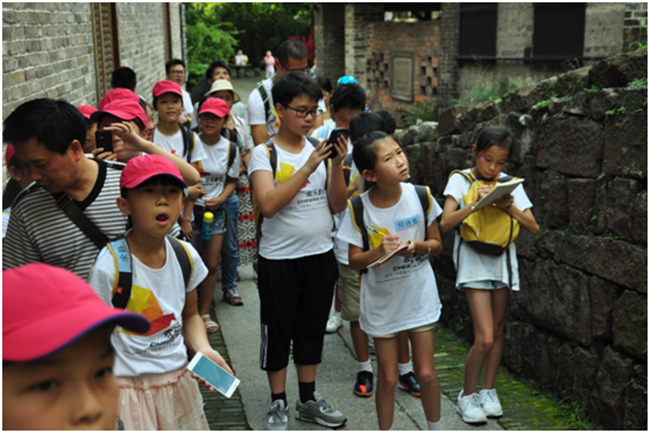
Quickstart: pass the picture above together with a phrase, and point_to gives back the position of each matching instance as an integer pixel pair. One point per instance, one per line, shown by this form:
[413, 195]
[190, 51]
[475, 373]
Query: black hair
[350, 96]
[291, 48]
[493, 136]
[124, 78]
[161, 179]
[363, 123]
[215, 65]
[173, 62]
[364, 152]
[390, 124]
[293, 85]
[324, 83]
[55, 124]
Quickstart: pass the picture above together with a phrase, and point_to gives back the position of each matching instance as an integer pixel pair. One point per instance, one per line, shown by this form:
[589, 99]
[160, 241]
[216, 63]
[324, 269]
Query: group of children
[311, 238]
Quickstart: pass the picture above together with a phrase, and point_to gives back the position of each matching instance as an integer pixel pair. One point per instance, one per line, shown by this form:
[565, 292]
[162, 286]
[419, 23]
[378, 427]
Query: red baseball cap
[86, 110]
[166, 86]
[45, 308]
[122, 109]
[118, 94]
[9, 153]
[216, 106]
[143, 168]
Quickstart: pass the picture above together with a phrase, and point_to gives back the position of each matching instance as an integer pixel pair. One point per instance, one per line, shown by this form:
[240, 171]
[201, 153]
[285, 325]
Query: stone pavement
[239, 339]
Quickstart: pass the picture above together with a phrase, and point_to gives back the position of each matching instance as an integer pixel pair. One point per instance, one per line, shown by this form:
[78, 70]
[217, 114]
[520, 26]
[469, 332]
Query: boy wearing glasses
[175, 70]
[297, 268]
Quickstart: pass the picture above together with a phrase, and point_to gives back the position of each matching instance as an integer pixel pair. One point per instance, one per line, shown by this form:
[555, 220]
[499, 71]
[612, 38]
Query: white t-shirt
[157, 294]
[187, 103]
[257, 114]
[6, 213]
[474, 266]
[174, 144]
[303, 227]
[213, 168]
[402, 293]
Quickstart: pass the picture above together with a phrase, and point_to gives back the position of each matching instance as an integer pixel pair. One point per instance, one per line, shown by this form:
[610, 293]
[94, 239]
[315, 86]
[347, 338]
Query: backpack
[488, 230]
[189, 142]
[273, 160]
[356, 209]
[123, 283]
[270, 111]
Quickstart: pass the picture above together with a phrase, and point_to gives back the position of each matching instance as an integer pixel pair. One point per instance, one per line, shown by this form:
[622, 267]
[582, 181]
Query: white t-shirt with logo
[472, 265]
[303, 227]
[214, 168]
[157, 294]
[174, 144]
[402, 293]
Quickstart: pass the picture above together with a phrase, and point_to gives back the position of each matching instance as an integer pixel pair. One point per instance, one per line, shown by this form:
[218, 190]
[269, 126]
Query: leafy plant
[421, 113]
[541, 104]
[593, 89]
[638, 82]
[601, 176]
[614, 111]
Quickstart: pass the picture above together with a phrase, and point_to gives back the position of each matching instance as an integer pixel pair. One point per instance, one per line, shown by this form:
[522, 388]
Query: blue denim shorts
[219, 222]
[483, 285]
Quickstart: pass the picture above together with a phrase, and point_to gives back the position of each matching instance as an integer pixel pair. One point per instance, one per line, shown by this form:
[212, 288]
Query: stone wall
[329, 35]
[578, 327]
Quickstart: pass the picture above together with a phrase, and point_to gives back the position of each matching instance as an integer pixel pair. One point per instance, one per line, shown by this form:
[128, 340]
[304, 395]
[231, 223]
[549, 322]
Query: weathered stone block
[616, 261]
[571, 146]
[621, 196]
[426, 132]
[640, 219]
[603, 294]
[558, 300]
[467, 120]
[581, 196]
[635, 404]
[602, 102]
[630, 324]
[572, 82]
[619, 70]
[524, 136]
[577, 368]
[488, 110]
[626, 145]
[606, 400]
[551, 200]
[578, 105]
[519, 100]
[448, 119]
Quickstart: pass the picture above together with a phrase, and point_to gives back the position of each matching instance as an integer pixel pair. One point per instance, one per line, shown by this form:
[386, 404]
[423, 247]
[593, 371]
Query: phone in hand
[334, 137]
[104, 139]
[214, 374]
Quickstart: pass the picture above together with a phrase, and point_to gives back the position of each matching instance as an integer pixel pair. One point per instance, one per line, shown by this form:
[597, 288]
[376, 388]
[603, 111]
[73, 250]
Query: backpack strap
[356, 212]
[423, 195]
[347, 168]
[469, 176]
[184, 258]
[123, 282]
[185, 133]
[265, 98]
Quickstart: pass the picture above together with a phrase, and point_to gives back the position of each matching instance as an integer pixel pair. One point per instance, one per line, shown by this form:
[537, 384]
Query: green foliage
[601, 176]
[638, 82]
[610, 237]
[592, 89]
[614, 111]
[482, 92]
[639, 110]
[541, 104]
[421, 113]
[577, 415]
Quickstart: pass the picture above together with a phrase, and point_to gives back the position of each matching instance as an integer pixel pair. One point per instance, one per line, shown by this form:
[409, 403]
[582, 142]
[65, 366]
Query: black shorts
[295, 300]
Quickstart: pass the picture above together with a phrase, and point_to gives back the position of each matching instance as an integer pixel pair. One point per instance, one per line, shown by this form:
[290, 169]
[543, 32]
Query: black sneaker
[409, 383]
[363, 387]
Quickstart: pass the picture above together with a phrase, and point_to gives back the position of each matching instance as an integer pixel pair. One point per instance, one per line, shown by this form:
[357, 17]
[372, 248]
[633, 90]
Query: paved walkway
[239, 340]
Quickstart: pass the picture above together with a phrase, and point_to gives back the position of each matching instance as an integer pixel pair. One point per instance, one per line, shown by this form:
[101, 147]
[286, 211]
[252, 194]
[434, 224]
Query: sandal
[210, 325]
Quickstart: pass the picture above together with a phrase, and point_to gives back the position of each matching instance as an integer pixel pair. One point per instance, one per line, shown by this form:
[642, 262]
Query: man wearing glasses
[175, 70]
[291, 57]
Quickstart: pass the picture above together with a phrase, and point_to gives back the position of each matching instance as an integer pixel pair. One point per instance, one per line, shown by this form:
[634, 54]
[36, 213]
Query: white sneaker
[490, 402]
[469, 408]
[334, 324]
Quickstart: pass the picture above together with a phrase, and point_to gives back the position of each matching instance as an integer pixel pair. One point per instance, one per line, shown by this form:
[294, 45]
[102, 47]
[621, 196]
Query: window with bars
[559, 31]
[478, 31]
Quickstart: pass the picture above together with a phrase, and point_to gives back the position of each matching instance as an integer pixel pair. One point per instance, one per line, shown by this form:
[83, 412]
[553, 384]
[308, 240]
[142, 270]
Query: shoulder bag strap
[121, 252]
[92, 232]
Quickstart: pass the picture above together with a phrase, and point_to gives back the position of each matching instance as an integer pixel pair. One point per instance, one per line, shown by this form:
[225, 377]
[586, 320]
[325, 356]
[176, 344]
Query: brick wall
[604, 29]
[357, 38]
[449, 26]
[329, 35]
[422, 39]
[635, 26]
[47, 52]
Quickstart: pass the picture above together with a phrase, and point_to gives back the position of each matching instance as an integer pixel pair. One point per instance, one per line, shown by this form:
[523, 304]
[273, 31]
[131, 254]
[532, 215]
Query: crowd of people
[117, 219]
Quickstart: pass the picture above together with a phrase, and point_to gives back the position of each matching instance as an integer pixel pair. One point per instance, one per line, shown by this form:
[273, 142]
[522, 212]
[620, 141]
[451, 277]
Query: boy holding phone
[57, 357]
[296, 267]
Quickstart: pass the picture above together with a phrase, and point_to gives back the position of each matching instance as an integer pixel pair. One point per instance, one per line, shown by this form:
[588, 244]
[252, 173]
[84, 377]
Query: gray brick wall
[329, 35]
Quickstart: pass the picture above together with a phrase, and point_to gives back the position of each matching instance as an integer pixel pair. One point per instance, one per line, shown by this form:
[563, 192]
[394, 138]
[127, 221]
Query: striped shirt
[39, 231]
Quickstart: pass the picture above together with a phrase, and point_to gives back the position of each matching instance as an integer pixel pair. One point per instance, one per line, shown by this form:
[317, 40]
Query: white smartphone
[214, 374]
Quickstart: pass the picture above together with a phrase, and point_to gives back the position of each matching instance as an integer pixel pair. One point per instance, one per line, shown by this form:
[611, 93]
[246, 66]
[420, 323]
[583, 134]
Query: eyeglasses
[304, 113]
[177, 72]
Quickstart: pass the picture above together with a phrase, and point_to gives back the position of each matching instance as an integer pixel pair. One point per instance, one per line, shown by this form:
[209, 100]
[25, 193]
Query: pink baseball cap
[122, 109]
[86, 110]
[9, 153]
[166, 86]
[118, 94]
[45, 308]
[216, 106]
[143, 168]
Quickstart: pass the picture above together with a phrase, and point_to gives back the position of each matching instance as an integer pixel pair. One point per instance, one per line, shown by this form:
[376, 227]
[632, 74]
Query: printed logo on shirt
[406, 223]
[144, 302]
[202, 172]
[284, 173]
[375, 235]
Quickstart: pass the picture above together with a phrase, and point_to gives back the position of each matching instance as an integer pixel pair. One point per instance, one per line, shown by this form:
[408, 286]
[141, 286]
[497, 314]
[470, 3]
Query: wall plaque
[401, 79]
